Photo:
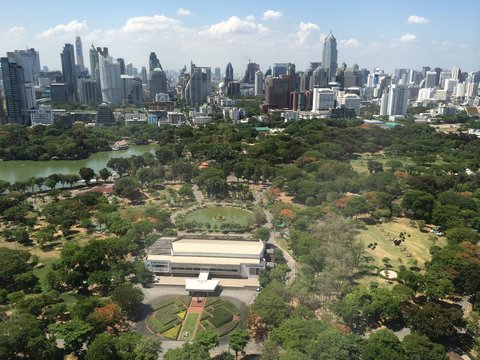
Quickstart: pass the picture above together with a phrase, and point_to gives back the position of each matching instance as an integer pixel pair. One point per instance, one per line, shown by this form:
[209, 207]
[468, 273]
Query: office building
[58, 93]
[277, 94]
[87, 91]
[131, 90]
[121, 62]
[29, 60]
[329, 57]
[3, 118]
[69, 73]
[249, 76]
[430, 79]
[79, 52]
[228, 74]
[158, 83]
[41, 116]
[258, 83]
[199, 85]
[153, 63]
[323, 100]
[143, 75]
[279, 69]
[450, 84]
[18, 94]
[110, 80]
[352, 102]
[472, 89]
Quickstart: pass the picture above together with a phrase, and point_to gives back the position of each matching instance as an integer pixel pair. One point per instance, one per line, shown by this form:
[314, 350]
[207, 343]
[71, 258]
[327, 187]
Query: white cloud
[72, 27]
[184, 12]
[234, 26]
[250, 18]
[305, 30]
[407, 37]
[15, 31]
[150, 23]
[414, 19]
[350, 43]
[272, 15]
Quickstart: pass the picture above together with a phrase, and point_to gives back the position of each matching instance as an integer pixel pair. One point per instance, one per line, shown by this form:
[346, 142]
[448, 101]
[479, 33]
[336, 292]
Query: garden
[172, 320]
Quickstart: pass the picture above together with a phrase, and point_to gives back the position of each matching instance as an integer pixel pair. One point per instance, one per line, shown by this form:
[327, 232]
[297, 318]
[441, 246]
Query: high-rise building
[277, 94]
[19, 95]
[228, 74]
[457, 73]
[199, 85]
[121, 61]
[87, 91]
[58, 93]
[69, 73]
[110, 80]
[329, 57]
[249, 76]
[397, 100]
[279, 69]
[29, 60]
[158, 83]
[323, 100]
[3, 118]
[79, 52]
[93, 55]
[217, 74]
[153, 63]
[258, 83]
[143, 75]
[472, 89]
[430, 79]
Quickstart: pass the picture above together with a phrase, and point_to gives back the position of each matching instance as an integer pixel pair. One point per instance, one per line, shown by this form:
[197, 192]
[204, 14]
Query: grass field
[360, 164]
[221, 215]
[189, 326]
[417, 244]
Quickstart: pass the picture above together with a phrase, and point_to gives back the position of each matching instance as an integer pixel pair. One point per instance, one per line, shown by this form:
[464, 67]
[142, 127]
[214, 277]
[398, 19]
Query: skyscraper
[430, 79]
[228, 74]
[29, 60]
[258, 83]
[249, 76]
[199, 85]
[153, 63]
[397, 100]
[79, 52]
[121, 61]
[68, 70]
[2, 110]
[143, 75]
[110, 80]
[18, 96]
[329, 57]
[158, 83]
[217, 73]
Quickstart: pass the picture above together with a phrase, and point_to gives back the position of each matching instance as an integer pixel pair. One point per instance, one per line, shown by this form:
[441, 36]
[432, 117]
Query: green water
[20, 170]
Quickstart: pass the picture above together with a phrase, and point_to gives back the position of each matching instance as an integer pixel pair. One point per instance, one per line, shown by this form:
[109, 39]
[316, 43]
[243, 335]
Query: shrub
[225, 329]
[220, 316]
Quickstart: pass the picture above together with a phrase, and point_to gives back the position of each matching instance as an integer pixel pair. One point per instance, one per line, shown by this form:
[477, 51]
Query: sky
[371, 33]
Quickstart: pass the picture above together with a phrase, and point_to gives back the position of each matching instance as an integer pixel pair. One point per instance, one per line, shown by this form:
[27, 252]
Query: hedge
[225, 329]
[220, 316]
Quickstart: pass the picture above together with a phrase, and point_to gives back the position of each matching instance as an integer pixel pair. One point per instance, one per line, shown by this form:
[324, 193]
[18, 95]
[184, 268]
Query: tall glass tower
[329, 58]
[79, 52]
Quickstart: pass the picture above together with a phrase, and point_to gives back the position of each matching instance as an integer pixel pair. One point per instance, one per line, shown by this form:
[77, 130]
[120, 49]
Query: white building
[430, 79]
[425, 94]
[450, 85]
[351, 101]
[397, 100]
[290, 115]
[110, 80]
[442, 95]
[472, 90]
[323, 99]
[258, 83]
[175, 118]
[41, 116]
[219, 256]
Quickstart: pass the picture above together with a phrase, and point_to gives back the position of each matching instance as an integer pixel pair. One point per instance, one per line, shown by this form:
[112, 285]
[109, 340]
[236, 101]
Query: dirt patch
[282, 196]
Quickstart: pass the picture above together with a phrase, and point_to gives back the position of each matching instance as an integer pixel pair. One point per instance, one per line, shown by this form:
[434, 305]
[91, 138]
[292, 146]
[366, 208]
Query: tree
[436, 320]
[262, 233]
[187, 352]
[458, 234]
[127, 187]
[120, 165]
[237, 340]
[419, 203]
[74, 333]
[128, 297]
[374, 166]
[271, 305]
[102, 348]
[419, 347]
[147, 349]
[394, 165]
[12, 264]
[104, 174]
[86, 174]
[208, 339]
[383, 345]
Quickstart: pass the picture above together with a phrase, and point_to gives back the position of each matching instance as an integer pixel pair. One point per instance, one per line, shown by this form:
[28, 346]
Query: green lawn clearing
[189, 326]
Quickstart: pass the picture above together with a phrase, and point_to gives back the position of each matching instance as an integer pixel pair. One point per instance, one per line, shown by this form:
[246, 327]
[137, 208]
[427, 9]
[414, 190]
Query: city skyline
[400, 34]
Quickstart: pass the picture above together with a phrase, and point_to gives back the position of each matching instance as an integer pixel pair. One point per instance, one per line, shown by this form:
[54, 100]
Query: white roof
[197, 285]
[203, 276]
[202, 260]
[218, 247]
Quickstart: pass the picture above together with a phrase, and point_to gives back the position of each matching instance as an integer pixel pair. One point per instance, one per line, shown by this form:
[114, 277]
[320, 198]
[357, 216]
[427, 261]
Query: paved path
[290, 260]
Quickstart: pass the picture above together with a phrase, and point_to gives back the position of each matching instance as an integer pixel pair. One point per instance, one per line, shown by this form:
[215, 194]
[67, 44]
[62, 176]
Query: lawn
[189, 326]
[417, 244]
[360, 164]
[220, 316]
[168, 315]
[220, 215]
